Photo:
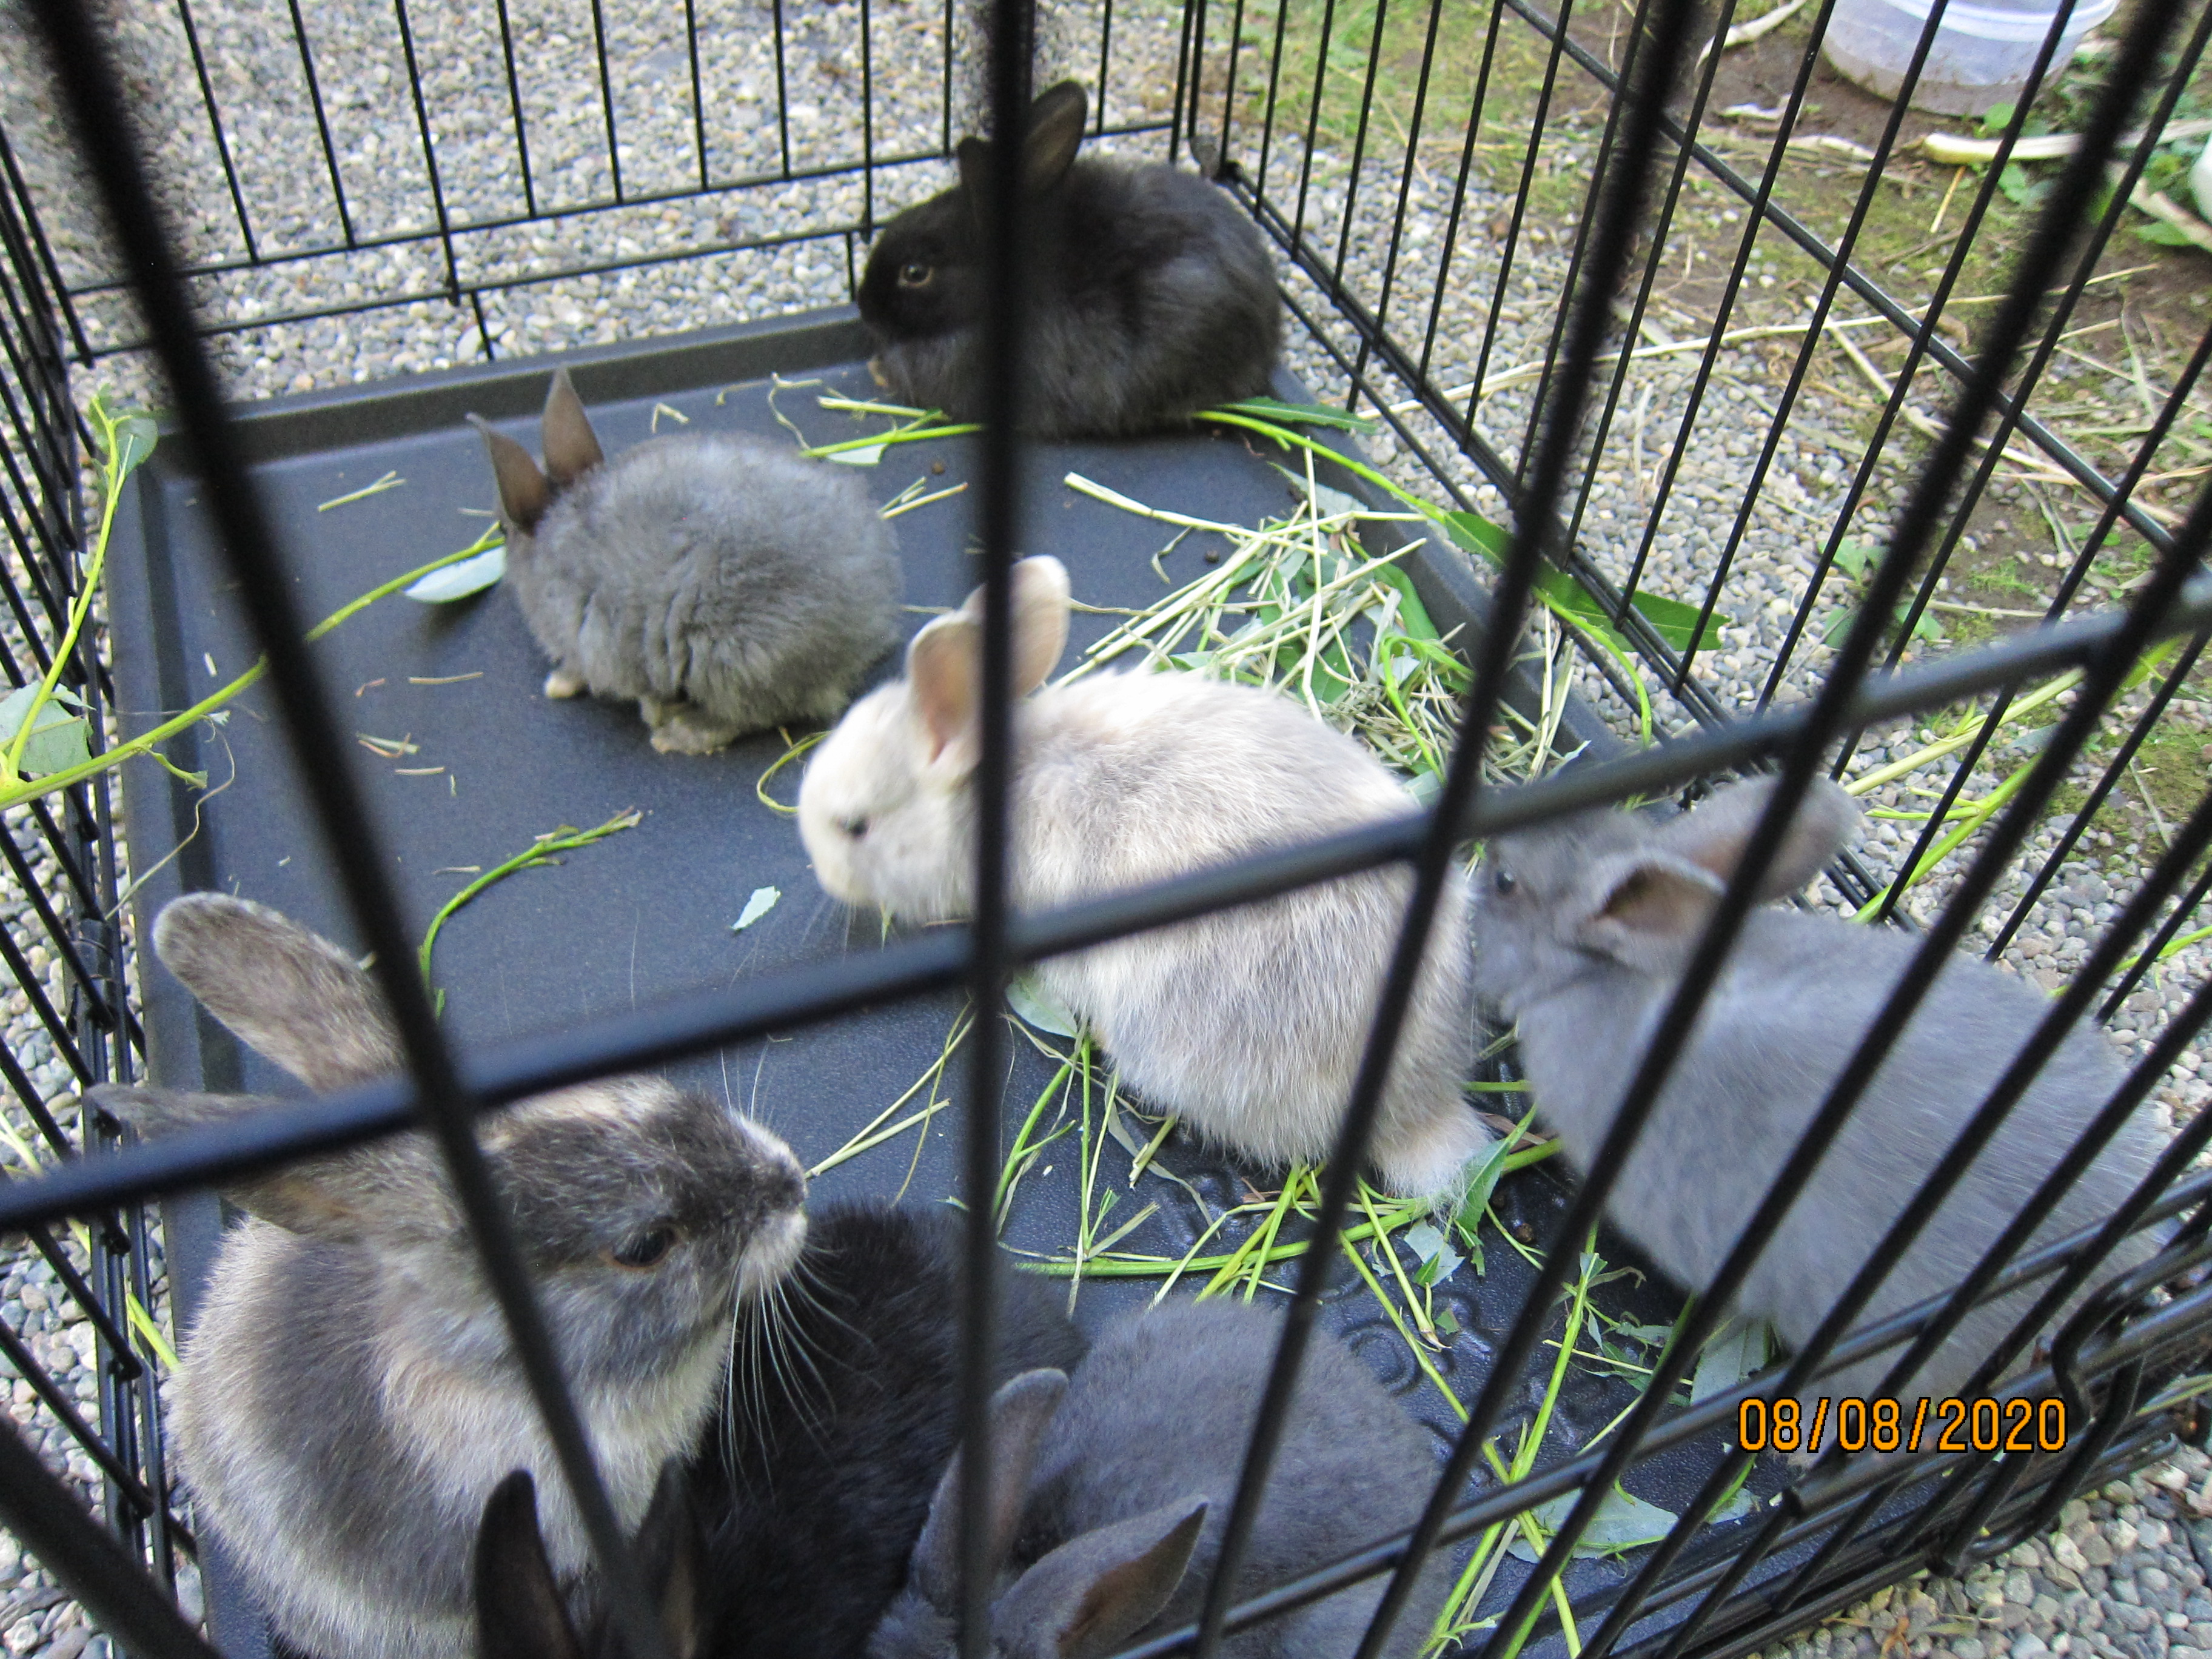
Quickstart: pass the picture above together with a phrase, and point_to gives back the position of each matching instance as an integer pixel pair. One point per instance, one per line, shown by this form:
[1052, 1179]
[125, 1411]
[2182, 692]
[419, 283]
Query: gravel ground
[2126, 1572]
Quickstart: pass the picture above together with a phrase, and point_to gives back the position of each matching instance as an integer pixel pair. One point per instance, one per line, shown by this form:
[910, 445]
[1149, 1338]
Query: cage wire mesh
[1777, 387]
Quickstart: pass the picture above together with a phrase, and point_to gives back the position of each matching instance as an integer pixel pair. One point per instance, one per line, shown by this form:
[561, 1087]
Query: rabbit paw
[876, 373]
[564, 683]
[683, 728]
[1430, 1157]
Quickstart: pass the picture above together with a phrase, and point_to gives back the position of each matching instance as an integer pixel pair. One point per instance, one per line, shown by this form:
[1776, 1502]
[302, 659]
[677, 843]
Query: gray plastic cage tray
[647, 913]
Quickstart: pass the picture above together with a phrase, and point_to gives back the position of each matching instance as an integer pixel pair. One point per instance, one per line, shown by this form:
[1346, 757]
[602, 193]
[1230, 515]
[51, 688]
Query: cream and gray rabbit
[725, 583]
[349, 1399]
[1110, 1490]
[1583, 930]
[1249, 1024]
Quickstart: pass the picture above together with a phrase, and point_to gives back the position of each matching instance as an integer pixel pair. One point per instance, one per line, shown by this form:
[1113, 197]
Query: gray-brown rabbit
[347, 1399]
[1583, 929]
[725, 583]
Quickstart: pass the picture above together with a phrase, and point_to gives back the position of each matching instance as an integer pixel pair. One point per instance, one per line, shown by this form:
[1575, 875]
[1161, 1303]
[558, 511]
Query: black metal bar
[85, 80]
[783, 92]
[1440, 288]
[699, 97]
[92, 1565]
[998, 525]
[607, 90]
[18, 216]
[215, 126]
[430, 149]
[522, 132]
[1845, 245]
[322, 121]
[2117, 207]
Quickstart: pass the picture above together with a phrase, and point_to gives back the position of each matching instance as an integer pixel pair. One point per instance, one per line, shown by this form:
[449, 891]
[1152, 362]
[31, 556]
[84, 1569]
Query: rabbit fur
[521, 1612]
[725, 583]
[348, 1397]
[842, 1412]
[1110, 1490]
[1248, 1024]
[1584, 928]
[1151, 294]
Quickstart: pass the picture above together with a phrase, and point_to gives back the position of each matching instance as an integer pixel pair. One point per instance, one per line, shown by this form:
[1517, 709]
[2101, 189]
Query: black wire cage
[216, 194]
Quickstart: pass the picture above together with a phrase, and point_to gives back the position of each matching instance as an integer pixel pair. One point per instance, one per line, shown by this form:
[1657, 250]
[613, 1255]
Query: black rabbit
[1153, 296]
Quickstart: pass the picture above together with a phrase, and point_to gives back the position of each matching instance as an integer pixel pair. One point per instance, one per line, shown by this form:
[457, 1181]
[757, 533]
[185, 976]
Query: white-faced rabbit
[522, 1612]
[1151, 294]
[842, 1413]
[725, 583]
[1249, 1024]
[1109, 1493]
[347, 1398]
[1583, 930]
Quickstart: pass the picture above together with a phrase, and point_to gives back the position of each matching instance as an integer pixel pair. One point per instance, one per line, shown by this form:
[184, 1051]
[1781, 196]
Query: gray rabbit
[347, 1398]
[727, 584]
[1109, 1492]
[1583, 930]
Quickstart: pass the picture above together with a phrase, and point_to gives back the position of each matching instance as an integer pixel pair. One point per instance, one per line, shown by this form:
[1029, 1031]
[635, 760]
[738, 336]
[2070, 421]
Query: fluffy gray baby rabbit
[1584, 928]
[1109, 1493]
[1248, 1024]
[725, 583]
[347, 1398]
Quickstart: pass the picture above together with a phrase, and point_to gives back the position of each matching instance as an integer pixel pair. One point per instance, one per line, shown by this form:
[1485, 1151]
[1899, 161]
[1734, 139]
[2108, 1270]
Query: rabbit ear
[1019, 1413]
[1645, 909]
[1713, 836]
[1041, 597]
[523, 491]
[1092, 1594]
[572, 449]
[944, 664]
[520, 1613]
[673, 1552]
[389, 1189]
[1055, 131]
[282, 991]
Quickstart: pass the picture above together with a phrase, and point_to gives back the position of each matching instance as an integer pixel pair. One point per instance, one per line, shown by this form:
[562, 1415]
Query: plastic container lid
[2001, 23]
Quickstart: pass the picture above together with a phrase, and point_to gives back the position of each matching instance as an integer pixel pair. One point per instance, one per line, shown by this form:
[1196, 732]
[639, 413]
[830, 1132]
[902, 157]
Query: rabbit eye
[915, 274]
[645, 1249]
[1504, 881]
[854, 828]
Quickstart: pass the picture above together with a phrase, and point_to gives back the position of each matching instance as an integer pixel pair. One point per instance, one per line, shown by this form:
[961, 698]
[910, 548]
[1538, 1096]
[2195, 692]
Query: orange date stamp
[1879, 1425]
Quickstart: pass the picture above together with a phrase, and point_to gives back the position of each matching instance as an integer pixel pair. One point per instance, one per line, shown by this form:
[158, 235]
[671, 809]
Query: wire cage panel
[1479, 214]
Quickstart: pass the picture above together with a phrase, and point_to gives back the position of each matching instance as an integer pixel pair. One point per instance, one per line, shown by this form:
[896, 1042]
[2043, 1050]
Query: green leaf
[2164, 235]
[129, 435]
[1439, 1262]
[59, 741]
[1996, 118]
[762, 901]
[1480, 1187]
[1676, 623]
[1623, 1522]
[2150, 662]
[458, 582]
[1028, 997]
[1739, 1349]
[1273, 409]
[1854, 557]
